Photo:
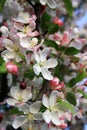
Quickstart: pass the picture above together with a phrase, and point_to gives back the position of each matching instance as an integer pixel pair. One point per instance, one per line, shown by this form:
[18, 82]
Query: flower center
[30, 116]
[42, 63]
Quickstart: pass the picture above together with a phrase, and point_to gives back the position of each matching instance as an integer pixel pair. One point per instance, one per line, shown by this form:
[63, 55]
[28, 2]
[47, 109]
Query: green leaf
[43, 108]
[65, 105]
[29, 74]
[68, 6]
[71, 98]
[2, 2]
[3, 68]
[14, 111]
[45, 20]
[82, 92]
[1, 60]
[71, 51]
[51, 44]
[80, 76]
[53, 28]
[72, 82]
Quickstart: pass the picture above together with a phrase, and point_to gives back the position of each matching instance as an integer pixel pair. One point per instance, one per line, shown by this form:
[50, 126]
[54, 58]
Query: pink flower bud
[54, 83]
[12, 68]
[60, 86]
[58, 22]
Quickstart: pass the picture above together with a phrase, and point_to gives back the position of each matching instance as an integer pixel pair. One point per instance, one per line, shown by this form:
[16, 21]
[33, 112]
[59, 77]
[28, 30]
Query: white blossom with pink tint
[43, 64]
[12, 51]
[24, 18]
[19, 96]
[52, 113]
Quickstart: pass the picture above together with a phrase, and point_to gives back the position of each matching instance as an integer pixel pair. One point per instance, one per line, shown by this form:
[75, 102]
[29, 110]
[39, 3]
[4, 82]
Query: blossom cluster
[46, 66]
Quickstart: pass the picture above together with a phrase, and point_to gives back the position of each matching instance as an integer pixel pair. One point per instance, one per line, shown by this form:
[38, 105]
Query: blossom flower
[52, 113]
[24, 18]
[12, 52]
[26, 30]
[69, 38]
[50, 3]
[31, 113]
[43, 64]
[19, 96]
[29, 43]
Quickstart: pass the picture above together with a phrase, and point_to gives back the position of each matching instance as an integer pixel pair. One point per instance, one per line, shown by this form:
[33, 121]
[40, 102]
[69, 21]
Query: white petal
[4, 30]
[35, 107]
[52, 4]
[11, 54]
[17, 58]
[45, 101]
[55, 118]
[15, 92]
[46, 74]
[53, 98]
[24, 107]
[26, 94]
[43, 2]
[45, 52]
[68, 116]
[47, 116]
[19, 121]
[51, 63]
[38, 116]
[25, 42]
[8, 44]
[36, 56]
[11, 101]
[36, 69]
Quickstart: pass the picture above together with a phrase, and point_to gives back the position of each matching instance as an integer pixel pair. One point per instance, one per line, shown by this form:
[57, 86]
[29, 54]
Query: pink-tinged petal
[19, 121]
[47, 116]
[55, 118]
[26, 94]
[53, 98]
[32, 34]
[45, 101]
[65, 38]
[55, 37]
[51, 63]
[18, 26]
[35, 107]
[37, 69]
[46, 74]
[15, 92]
[21, 35]
[11, 101]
